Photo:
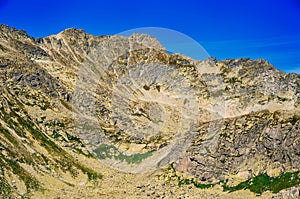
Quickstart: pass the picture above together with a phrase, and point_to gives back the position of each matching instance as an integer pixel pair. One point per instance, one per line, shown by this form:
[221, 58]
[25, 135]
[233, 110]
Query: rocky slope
[114, 117]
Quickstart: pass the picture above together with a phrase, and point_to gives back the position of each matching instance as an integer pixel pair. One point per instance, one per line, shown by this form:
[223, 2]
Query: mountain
[114, 117]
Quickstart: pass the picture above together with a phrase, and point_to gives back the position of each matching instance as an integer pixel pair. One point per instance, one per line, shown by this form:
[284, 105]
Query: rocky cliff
[114, 116]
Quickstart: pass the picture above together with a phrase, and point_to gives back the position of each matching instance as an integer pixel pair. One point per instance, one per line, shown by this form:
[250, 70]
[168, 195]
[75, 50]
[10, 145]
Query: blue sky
[226, 29]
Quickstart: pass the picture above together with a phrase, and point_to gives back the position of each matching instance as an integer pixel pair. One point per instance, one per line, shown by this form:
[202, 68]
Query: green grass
[55, 124]
[30, 182]
[107, 151]
[39, 135]
[258, 184]
[92, 175]
[184, 181]
[79, 151]
[12, 165]
[23, 126]
[55, 134]
[263, 182]
[8, 136]
[73, 138]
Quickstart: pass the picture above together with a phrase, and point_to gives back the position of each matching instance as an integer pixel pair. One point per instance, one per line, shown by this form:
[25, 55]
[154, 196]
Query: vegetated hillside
[81, 115]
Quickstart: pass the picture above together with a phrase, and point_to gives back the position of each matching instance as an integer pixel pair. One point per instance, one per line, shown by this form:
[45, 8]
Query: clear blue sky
[226, 29]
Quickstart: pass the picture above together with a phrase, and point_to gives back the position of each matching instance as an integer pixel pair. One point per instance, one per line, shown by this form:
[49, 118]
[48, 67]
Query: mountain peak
[78, 111]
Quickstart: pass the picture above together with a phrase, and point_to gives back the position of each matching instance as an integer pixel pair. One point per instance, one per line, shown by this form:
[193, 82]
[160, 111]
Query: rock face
[246, 146]
[77, 107]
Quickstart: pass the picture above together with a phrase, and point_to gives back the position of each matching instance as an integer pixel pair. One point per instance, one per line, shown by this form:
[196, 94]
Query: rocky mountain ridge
[125, 104]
